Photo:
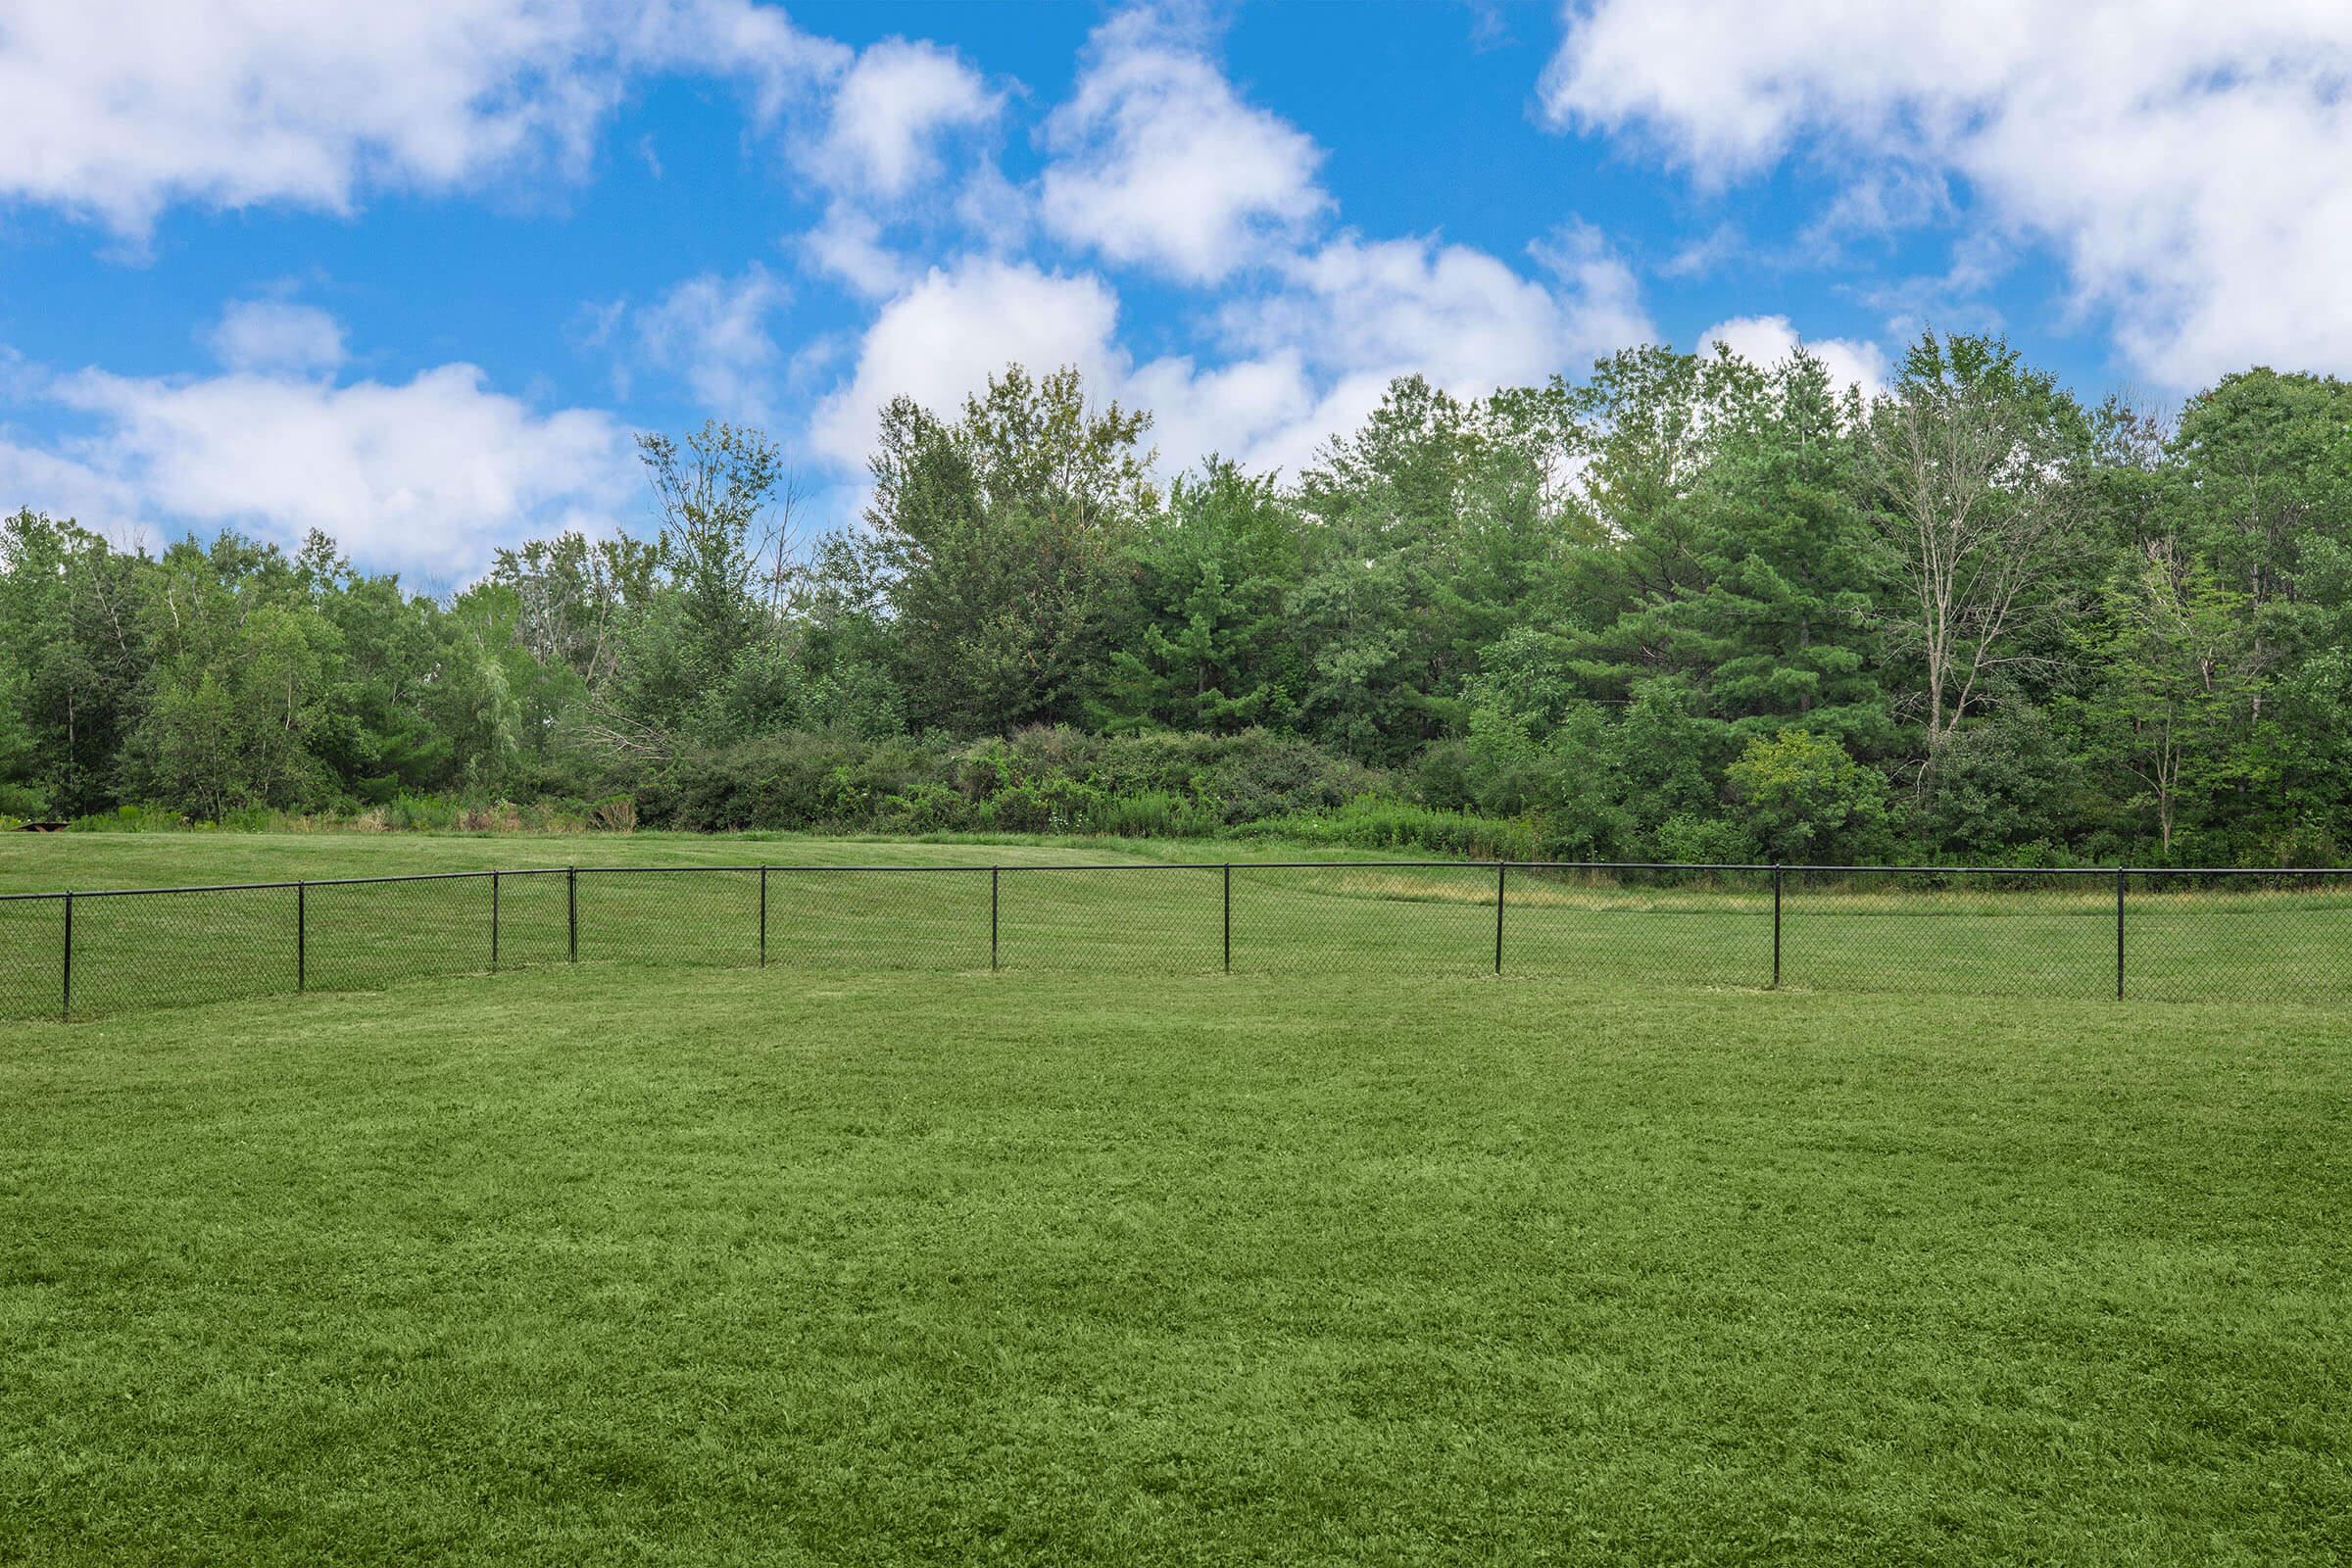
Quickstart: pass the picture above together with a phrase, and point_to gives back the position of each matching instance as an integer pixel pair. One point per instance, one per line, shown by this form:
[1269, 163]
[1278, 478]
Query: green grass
[2186, 940]
[48, 863]
[647, 1266]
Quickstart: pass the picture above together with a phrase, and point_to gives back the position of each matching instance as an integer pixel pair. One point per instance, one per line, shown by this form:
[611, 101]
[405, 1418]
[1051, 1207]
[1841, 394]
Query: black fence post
[992, 917]
[1498, 870]
[1229, 917]
[2118, 933]
[494, 922]
[572, 914]
[302, 935]
[764, 917]
[65, 1011]
[1775, 928]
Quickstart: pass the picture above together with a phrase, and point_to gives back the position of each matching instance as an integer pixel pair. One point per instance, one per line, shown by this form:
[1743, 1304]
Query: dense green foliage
[1690, 608]
[726, 1267]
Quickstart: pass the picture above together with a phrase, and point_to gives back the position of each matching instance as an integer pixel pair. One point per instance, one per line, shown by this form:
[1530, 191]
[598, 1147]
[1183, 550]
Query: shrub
[497, 816]
[1037, 780]
[430, 814]
[1374, 823]
[1702, 840]
[1805, 799]
[1154, 814]
[788, 781]
[132, 819]
[929, 806]
[2305, 843]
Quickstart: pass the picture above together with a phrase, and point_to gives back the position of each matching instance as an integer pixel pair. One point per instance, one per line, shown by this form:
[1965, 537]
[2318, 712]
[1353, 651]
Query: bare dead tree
[780, 542]
[1976, 491]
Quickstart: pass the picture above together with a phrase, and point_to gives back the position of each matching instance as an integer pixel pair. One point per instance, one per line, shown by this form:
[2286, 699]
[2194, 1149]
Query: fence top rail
[1706, 867]
[2108, 871]
[2074, 870]
[262, 887]
[1363, 865]
[638, 870]
[2236, 870]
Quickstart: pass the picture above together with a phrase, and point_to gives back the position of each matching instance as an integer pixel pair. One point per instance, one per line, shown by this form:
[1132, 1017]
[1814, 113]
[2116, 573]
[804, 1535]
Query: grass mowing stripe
[725, 1266]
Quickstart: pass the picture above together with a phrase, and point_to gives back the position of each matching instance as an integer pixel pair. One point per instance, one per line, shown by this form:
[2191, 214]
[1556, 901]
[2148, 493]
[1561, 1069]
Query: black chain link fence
[2164, 935]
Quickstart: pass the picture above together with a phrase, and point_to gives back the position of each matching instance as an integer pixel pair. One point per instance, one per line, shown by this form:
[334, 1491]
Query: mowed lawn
[943, 909]
[633, 1265]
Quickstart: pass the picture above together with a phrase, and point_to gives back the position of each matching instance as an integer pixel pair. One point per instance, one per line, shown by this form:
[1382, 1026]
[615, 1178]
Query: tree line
[1687, 607]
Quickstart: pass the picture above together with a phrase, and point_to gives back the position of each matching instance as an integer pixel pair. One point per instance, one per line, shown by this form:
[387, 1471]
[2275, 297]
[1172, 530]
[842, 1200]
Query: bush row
[1045, 780]
[1254, 785]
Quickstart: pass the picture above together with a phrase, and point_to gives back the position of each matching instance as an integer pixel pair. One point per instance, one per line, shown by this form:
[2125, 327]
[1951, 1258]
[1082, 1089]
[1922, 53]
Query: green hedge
[1036, 781]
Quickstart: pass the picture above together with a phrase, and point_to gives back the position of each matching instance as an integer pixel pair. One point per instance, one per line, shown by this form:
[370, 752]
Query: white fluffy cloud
[942, 339]
[847, 246]
[1308, 356]
[1463, 318]
[947, 333]
[712, 332]
[277, 335]
[881, 156]
[36, 476]
[1770, 339]
[427, 475]
[1156, 162]
[2187, 167]
[117, 110]
[889, 112]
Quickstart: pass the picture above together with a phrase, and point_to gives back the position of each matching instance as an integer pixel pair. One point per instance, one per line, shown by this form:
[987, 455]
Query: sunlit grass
[716, 1265]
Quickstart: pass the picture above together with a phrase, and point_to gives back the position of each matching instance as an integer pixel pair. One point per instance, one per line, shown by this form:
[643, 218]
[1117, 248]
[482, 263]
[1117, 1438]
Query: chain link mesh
[2204, 936]
[1146, 919]
[1639, 925]
[170, 948]
[2181, 936]
[684, 917]
[363, 935]
[1373, 920]
[1962, 933]
[32, 945]
[848, 919]
[534, 919]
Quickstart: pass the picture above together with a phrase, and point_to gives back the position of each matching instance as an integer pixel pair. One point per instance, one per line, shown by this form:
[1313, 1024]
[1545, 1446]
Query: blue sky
[415, 277]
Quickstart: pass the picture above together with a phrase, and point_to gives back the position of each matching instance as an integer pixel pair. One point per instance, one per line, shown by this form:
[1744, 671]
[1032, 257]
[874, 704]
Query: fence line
[2203, 932]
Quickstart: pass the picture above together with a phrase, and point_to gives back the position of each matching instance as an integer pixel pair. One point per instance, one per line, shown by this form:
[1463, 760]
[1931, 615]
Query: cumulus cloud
[847, 246]
[1307, 357]
[1351, 316]
[1157, 161]
[883, 160]
[712, 332]
[1459, 316]
[1254, 410]
[951, 330]
[277, 335]
[1769, 339]
[888, 111]
[36, 476]
[2180, 167]
[942, 339]
[427, 475]
[115, 110]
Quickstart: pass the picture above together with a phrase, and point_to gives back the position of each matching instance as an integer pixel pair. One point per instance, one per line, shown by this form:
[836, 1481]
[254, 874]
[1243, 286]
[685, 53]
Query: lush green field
[630, 1265]
[2186, 939]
